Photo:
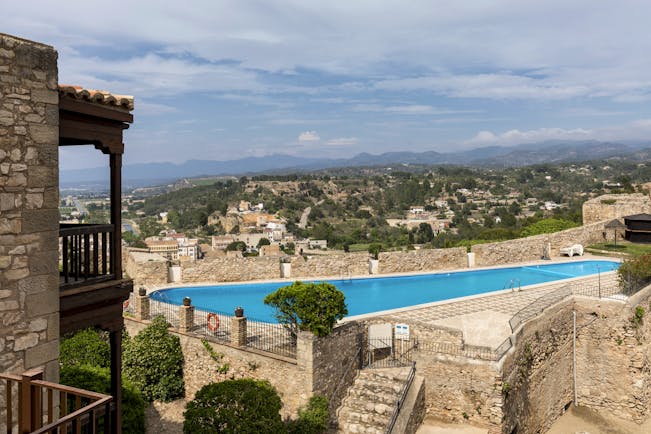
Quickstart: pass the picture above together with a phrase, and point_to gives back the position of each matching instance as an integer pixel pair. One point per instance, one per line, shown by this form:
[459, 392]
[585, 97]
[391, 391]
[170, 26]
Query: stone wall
[29, 216]
[612, 364]
[613, 359]
[338, 265]
[537, 375]
[331, 363]
[612, 206]
[531, 248]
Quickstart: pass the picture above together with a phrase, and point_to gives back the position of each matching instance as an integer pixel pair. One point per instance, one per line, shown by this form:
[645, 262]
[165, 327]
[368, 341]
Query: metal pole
[576, 403]
[599, 279]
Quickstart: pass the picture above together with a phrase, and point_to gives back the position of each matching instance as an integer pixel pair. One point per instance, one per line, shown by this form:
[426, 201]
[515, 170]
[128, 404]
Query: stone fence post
[186, 316]
[142, 310]
[238, 328]
[305, 358]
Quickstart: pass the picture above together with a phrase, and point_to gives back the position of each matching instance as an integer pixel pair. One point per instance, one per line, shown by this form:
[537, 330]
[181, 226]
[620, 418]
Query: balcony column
[116, 214]
[115, 338]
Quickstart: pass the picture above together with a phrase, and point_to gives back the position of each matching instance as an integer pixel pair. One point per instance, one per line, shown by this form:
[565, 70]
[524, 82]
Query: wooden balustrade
[85, 253]
[37, 407]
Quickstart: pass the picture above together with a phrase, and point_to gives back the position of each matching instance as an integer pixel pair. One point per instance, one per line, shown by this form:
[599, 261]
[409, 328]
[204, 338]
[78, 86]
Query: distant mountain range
[493, 156]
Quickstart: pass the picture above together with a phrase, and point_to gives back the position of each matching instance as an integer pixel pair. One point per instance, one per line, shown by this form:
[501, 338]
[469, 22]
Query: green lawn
[625, 247]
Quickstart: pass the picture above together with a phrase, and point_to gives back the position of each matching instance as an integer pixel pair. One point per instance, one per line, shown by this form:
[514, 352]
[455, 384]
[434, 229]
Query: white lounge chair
[576, 249]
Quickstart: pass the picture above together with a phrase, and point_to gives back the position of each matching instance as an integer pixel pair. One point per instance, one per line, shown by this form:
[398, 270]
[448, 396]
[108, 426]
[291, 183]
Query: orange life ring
[212, 321]
[125, 305]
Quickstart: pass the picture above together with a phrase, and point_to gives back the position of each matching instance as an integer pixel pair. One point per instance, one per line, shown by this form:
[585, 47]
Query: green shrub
[235, 406]
[635, 272]
[153, 362]
[98, 379]
[86, 347]
[315, 307]
[311, 420]
[547, 226]
[374, 250]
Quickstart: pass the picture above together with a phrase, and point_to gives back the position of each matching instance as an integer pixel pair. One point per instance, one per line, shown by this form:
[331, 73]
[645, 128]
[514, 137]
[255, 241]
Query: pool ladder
[511, 284]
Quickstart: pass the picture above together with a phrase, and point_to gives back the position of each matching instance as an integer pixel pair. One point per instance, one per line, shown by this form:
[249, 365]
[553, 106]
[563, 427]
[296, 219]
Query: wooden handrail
[81, 229]
[32, 411]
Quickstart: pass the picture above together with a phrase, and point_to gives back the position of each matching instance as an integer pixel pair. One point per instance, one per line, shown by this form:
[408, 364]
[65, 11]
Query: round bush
[235, 406]
[85, 347]
[98, 379]
[153, 362]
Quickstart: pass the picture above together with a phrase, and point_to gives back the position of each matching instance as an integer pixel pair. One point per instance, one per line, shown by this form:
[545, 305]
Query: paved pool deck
[484, 320]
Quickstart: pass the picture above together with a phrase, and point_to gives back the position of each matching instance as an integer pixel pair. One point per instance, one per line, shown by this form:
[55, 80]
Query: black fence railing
[401, 400]
[213, 324]
[389, 352]
[270, 337]
[85, 253]
[537, 306]
[218, 327]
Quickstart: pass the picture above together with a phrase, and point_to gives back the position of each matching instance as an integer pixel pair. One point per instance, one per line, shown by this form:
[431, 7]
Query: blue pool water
[377, 294]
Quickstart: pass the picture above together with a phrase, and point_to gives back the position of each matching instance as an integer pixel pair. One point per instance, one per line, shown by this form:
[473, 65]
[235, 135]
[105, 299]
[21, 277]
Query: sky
[223, 80]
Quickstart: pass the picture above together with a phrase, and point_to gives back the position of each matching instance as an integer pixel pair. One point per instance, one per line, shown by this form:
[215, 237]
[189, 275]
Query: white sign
[402, 332]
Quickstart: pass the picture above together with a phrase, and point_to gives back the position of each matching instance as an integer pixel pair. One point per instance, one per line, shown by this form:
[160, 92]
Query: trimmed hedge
[86, 347]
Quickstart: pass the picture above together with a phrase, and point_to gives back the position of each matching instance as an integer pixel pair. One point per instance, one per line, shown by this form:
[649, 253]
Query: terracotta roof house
[54, 278]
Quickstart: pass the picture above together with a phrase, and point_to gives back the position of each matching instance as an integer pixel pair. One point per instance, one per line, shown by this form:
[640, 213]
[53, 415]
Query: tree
[236, 245]
[235, 406]
[263, 242]
[547, 226]
[86, 347]
[153, 362]
[315, 307]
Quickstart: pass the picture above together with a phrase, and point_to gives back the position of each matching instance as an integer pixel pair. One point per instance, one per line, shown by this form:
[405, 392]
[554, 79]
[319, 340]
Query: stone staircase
[370, 401]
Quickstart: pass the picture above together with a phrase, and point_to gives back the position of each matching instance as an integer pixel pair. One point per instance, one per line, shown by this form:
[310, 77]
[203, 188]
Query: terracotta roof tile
[96, 96]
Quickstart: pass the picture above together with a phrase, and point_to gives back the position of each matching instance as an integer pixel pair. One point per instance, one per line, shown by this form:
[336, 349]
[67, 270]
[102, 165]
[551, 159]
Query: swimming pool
[366, 295]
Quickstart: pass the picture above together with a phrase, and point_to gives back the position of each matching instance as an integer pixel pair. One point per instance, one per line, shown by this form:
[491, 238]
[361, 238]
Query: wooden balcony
[36, 406]
[85, 254]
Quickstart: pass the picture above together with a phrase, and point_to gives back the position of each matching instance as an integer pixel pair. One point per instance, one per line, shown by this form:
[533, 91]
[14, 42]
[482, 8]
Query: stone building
[44, 294]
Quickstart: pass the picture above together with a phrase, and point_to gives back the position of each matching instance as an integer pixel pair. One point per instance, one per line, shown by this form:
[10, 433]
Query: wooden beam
[95, 110]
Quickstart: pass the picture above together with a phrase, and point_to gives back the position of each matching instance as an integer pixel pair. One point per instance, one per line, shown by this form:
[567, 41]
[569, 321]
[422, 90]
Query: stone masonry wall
[330, 362]
[612, 206]
[531, 248]
[199, 369]
[613, 359]
[339, 265]
[537, 375]
[29, 216]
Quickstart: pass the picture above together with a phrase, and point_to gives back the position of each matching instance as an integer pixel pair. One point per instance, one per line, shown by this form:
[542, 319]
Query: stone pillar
[373, 266]
[29, 200]
[285, 270]
[238, 331]
[186, 316]
[174, 272]
[142, 305]
[471, 260]
[305, 358]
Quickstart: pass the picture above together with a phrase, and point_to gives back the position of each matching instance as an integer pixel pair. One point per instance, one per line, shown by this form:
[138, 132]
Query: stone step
[366, 418]
[373, 396]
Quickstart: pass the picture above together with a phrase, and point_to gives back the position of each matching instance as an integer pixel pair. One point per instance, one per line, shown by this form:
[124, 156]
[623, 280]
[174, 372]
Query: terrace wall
[29, 136]
[612, 206]
[531, 248]
[234, 269]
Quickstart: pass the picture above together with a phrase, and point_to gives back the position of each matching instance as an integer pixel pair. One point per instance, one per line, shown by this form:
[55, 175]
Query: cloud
[409, 109]
[515, 137]
[342, 141]
[308, 136]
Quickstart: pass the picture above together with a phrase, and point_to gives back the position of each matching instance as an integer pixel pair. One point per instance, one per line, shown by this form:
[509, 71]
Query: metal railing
[389, 352]
[85, 253]
[538, 305]
[213, 324]
[36, 406]
[401, 400]
[270, 337]
[165, 308]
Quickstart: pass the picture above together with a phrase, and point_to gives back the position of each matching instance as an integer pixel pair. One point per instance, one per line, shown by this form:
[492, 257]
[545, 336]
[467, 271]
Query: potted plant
[374, 261]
